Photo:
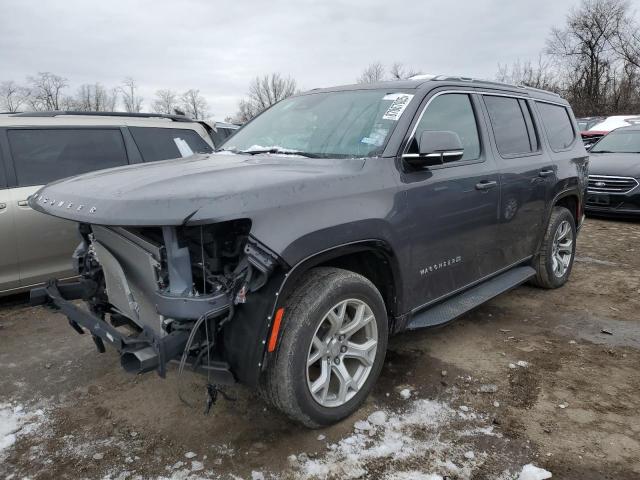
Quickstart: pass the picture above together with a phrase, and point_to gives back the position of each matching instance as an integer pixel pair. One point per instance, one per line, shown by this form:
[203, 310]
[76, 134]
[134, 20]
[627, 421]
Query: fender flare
[567, 192]
[248, 333]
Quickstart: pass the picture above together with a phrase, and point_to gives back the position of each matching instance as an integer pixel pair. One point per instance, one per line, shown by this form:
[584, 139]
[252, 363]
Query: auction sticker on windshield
[400, 102]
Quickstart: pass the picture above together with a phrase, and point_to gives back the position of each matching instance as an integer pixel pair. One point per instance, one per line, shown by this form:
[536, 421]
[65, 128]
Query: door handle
[486, 185]
[23, 203]
[545, 173]
[3, 206]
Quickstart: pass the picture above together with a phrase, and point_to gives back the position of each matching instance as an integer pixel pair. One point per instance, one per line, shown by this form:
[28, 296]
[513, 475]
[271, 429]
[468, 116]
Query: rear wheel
[555, 260]
[332, 347]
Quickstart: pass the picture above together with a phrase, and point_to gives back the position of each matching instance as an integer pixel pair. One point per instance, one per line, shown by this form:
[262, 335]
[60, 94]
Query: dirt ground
[549, 378]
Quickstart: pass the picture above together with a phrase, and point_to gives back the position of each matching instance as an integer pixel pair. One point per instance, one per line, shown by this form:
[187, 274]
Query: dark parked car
[335, 218]
[614, 174]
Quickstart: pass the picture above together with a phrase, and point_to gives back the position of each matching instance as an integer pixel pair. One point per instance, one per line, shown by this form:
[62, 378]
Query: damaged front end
[159, 293]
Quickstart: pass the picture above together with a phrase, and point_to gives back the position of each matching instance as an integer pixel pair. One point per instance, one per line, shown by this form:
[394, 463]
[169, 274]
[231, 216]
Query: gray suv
[334, 219]
[41, 147]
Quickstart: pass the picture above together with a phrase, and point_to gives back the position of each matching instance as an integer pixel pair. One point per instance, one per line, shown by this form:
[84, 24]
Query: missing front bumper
[143, 353]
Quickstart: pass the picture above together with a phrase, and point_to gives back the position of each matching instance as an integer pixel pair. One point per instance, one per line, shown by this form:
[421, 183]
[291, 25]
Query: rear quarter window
[558, 125]
[43, 155]
[165, 143]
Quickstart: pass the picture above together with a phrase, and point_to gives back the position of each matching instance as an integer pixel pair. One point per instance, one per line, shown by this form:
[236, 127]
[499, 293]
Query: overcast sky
[219, 46]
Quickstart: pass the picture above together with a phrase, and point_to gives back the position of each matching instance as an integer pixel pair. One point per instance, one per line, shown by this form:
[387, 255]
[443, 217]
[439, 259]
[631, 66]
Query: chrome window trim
[567, 109]
[472, 92]
[415, 127]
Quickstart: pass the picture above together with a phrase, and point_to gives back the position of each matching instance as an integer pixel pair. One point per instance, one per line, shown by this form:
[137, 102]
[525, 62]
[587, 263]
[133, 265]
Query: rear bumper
[141, 353]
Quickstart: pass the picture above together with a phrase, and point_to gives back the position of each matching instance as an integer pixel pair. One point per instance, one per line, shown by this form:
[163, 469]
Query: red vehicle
[593, 129]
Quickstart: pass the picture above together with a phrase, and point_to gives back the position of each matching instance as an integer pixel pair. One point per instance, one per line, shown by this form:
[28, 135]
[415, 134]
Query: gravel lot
[548, 378]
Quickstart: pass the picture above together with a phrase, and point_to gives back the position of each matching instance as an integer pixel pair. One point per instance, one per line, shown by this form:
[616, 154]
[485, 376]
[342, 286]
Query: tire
[287, 381]
[549, 272]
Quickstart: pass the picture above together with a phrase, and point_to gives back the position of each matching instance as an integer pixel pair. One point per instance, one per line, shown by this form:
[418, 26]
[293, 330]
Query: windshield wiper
[279, 151]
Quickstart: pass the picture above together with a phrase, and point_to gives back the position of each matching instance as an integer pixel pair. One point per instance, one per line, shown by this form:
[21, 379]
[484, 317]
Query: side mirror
[435, 148]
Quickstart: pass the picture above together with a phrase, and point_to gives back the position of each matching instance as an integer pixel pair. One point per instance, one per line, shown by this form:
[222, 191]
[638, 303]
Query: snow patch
[413, 475]
[531, 472]
[393, 439]
[377, 418]
[16, 421]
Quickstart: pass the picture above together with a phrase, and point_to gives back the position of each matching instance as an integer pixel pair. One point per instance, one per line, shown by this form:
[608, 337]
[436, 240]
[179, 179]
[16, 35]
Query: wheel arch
[247, 336]
[571, 200]
[374, 259]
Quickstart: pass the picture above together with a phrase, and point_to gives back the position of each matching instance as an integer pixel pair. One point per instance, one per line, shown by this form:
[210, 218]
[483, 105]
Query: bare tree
[526, 73]
[47, 91]
[12, 96]
[373, 73]
[263, 92]
[129, 90]
[95, 98]
[400, 72]
[166, 102]
[627, 41]
[585, 46]
[194, 104]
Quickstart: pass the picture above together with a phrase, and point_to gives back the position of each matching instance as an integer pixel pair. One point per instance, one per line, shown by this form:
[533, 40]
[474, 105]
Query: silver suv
[42, 147]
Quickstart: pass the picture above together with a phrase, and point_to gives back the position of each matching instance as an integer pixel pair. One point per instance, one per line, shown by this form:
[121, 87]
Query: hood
[196, 189]
[615, 164]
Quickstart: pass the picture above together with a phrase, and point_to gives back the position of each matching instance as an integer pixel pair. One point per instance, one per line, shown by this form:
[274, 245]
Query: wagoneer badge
[61, 203]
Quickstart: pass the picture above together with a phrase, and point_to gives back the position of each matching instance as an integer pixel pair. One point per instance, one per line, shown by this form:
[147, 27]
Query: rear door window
[43, 155]
[166, 143]
[558, 125]
[511, 124]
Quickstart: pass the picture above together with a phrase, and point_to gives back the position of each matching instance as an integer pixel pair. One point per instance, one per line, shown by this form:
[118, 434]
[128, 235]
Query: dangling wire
[211, 389]
[206, 330]
[185, 353]
[204, 274]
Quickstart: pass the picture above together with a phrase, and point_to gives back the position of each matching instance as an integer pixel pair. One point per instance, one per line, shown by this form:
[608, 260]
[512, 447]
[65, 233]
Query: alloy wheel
[342, 353]
[562, 249]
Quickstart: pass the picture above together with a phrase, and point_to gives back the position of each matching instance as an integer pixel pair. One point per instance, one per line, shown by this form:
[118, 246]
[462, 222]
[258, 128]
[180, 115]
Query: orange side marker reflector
[273, 339]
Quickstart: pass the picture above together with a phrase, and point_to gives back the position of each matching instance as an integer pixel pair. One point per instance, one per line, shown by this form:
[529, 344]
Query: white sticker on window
[398, 106]
[376, 137]
[183, 147]
[393, 96]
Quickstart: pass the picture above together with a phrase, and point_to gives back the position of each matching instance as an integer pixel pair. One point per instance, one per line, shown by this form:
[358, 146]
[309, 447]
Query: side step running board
[468, 300]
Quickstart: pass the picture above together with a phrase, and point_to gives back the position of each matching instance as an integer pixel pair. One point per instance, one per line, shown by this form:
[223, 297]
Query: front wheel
[331, 348]
[555, 260]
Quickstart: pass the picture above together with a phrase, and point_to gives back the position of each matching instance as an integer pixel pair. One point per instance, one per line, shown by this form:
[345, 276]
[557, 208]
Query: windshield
[354, 123]
[625, 141]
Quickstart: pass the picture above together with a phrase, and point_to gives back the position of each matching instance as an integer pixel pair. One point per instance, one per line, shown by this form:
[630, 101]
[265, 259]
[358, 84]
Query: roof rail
[541, 90]
[56, 113]
[470, 79]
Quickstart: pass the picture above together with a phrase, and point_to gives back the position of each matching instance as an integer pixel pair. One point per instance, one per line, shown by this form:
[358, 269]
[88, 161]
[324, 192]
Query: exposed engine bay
[173, 289]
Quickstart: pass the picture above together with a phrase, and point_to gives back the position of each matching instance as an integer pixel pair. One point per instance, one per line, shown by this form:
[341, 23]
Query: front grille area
[608, 184]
